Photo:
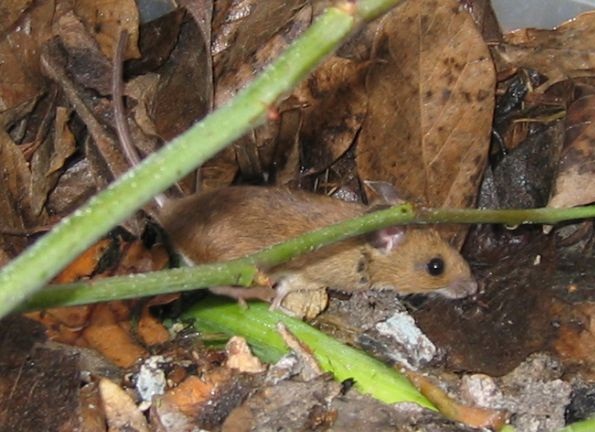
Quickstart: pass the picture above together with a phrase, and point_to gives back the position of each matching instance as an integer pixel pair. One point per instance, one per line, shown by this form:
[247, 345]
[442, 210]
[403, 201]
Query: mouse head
[418, 260]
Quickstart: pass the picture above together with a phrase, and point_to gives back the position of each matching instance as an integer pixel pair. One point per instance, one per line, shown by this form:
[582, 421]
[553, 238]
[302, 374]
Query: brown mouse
[236, 221]
[233, 222]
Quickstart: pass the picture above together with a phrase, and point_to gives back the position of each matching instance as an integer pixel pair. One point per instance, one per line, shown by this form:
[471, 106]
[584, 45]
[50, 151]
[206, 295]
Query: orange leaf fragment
[150, 330]
[85, 264]
[107, 336]
[189, 395]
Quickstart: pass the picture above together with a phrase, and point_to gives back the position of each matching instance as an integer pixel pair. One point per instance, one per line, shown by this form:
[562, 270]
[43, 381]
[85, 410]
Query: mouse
[235, 221]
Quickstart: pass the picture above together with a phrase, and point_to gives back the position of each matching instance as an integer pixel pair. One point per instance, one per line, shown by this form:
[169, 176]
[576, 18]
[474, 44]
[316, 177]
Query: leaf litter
[431, 98]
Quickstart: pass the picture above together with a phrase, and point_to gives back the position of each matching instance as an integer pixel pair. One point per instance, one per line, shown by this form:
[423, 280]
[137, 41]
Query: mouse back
[236, 221]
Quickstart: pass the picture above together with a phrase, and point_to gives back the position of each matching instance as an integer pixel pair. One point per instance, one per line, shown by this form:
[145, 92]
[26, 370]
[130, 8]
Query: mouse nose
[460, 288]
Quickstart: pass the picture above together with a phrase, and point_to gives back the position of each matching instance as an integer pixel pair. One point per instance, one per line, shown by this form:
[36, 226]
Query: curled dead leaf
[565, 52]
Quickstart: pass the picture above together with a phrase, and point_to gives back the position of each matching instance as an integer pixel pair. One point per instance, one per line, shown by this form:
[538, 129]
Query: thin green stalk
[258, 325]
[38, 264]
[242, 271]
[406, 214]
[505, 216]
[141, 285]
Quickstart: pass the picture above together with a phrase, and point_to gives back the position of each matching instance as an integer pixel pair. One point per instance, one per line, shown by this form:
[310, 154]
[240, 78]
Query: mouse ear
[387, 239]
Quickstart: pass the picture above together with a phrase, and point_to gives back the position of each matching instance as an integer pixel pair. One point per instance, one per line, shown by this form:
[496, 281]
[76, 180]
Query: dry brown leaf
[247, 36]
[565, 52]
[20, 80]
[71, 319]
[575, 179]
[136, 258]
[55, 330]
[120, 410]
[431, 90]
[11, 11]
[15, 198]
[575, 342]
[64, 141]
[75, 186]
[184, 93]
[51, 152]
[485, 19]
[157, 39]
[286, 157]
[106, 18]
[15, 184]
[335, 104]
[143, 89]
[227, 16]
[87, 65]
[202, 13]
[258, 39]
[91, 110]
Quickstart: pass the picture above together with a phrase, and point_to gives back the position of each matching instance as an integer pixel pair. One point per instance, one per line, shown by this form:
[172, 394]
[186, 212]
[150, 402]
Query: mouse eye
[435, 266]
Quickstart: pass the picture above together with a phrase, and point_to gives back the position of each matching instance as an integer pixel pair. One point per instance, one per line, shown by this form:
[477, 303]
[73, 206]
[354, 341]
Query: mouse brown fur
[236, 221]
[233, 222]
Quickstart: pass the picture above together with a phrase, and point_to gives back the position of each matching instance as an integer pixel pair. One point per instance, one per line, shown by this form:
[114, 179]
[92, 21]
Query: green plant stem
[241, 272]
[505, 216]
[581, 426]
[38, 264]
[406, 214]
[258, 325]
[139, 285]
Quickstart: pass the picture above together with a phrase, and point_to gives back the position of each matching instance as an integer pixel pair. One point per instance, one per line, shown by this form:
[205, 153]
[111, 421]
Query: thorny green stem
[243, 271]
[39, 263]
